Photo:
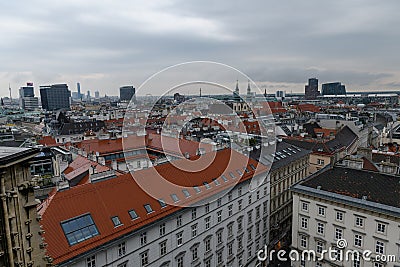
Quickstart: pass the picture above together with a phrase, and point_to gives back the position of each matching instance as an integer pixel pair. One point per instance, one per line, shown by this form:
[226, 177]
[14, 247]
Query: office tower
[88, 95]
[126, 93]
[335, 88]
[311, 90]
[27, 98]
[97, 94]
[55, 97]
[78, 86]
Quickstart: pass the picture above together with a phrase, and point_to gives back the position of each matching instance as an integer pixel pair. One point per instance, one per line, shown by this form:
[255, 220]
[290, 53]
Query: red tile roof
[114, 197]
[48, 141]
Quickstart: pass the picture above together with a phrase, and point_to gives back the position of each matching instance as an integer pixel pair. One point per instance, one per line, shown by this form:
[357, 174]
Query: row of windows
[359, 221]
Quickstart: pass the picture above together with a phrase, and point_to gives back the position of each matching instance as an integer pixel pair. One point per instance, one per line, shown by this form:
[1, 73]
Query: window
[239, 191]
[179, 221]
[163, 248]
[359, 221]
[320, 162]
[179, 261]
[249, 199]
[358, 239]
[195, 254]
[303, 241]
[133, 214]
[216, 182]
[230, 208]
[240, 225]
[249, 217]
[250, 233]
[239, 204]
[357, 262]
[175, 198]
[219, 202]
[304, 223]
[219, 237]
[207, 222]
[148, 208]
[91, 261]
[179, 239]
[121, 249]
[143, 238]
[207, 244]
[124, 264]
[339, 216]
[206, 185]
[318, 264]
[144, 258]
[379, 247]
[338, 233]
[219, 257]
[258, 212]
[230, 229]
[194, 214]
[230, 249]
[194, 230]
[224, 178]
[320, 228]
[219, 216]
[381, 228]
[321, 211]
[232, 175]
[207, 208]
[79, 229]
[240, 242]
[162, 229]
[116, 221]
[186, 193]
[197, 189]
[377, 264]
[302, 263]
[230, 196]
[304, 206]
[320, 246]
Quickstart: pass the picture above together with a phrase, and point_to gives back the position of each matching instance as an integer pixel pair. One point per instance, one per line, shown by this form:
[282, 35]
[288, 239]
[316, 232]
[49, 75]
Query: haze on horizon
[279, 44]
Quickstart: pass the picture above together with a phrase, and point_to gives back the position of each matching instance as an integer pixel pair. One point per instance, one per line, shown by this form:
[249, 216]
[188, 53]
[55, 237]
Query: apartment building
[114, 222]
[359, 206]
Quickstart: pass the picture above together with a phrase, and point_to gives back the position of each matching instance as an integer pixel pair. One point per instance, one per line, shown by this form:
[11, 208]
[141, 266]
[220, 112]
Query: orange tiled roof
[48, 141]
[114, 198]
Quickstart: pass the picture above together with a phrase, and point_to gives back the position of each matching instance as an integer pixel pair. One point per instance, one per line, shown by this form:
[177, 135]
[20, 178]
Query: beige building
[20, 240]
[350, 211]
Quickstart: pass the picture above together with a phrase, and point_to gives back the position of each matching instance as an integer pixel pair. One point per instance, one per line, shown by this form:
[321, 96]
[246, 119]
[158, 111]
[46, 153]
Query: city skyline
[110, 44]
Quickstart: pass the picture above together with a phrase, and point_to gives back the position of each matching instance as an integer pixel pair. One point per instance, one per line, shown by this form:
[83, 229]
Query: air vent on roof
[364, 197]
[319, 187]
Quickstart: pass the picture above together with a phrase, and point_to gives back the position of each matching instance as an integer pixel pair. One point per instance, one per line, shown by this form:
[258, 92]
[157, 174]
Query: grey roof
[284, 154]
[10, 154]
[376, 187]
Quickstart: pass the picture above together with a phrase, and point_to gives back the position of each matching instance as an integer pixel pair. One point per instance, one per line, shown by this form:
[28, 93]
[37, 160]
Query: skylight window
[232, 175]
[175, 198]
[197, 189]
[224, 178]
[239, 172]
[133, 214]
[216, 182]
[246, 170]
[162, 203]
[148, 208]
[186, 193]
[116, 221]
[252, 167]
[79, 229]
[207, 185]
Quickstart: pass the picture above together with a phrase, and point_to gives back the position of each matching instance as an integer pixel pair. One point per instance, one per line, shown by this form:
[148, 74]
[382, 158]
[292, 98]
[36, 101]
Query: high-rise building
[97, 94]
[78, 86]
[335, 88]
[21, 242]
[54, 97]
[27, 98]
[126, 93]
[311, 89]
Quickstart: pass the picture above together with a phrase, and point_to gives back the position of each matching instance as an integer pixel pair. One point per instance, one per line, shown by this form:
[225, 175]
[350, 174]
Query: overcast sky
[279, 44]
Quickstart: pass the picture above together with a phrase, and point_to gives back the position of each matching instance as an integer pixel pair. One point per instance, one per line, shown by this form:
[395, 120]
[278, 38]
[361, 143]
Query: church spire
[237, 87]
[248, 87]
